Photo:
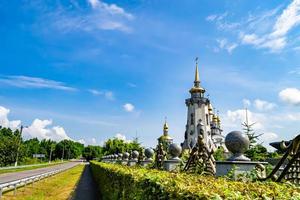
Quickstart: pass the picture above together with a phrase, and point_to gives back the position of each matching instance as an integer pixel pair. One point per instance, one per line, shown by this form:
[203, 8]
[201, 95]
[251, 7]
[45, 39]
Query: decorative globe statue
[135, 155]
[237, 143]
[120, 155]
[175, 151]
[149, 153]
[126, 156]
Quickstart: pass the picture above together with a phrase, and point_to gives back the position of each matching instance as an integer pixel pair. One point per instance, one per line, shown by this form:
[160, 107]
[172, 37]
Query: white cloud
[120, 136]
[109, 95]
[290, 96]
[268, 136]
[246, 103]
[224, 44]
[99, 16]
[90, 141]
[235, 118]
[132, 85]
[34, 82]
[112, 9]
[128, 107]
[295, 71]
[82, 141]
[216, 17]
[41, 130]
[262, 105]
[4, 121]
[277, 38]
[95, 92]
[267, 30]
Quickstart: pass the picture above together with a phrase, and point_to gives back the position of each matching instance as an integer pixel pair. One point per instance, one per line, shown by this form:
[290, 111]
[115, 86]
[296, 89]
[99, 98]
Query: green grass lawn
[58, 187]
[28, 168]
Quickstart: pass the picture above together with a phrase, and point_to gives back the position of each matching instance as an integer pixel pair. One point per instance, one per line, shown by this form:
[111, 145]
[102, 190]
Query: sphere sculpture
[149, 153]
[134, 155]
[125, 156]
[175, 150]
[120, 155]
[237, 143]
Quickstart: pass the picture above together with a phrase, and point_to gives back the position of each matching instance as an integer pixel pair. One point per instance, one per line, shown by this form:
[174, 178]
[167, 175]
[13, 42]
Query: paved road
[86, 188]
[7, 177]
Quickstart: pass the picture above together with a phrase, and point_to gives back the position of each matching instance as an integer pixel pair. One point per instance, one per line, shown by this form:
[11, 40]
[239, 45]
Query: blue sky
[90, 69]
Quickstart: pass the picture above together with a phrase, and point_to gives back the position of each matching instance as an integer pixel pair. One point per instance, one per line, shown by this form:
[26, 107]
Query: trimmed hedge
[121, 182]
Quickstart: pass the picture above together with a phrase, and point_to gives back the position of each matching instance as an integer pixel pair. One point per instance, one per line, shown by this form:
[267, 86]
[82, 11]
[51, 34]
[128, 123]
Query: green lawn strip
[57, 187]
[30, 167]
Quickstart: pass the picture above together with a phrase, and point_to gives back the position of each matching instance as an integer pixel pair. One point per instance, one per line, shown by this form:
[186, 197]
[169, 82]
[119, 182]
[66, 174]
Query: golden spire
[197, 87]
[196, 72]
[166, 127]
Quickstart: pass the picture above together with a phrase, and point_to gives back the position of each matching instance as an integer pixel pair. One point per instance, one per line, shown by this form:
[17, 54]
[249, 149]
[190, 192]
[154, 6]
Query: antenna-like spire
[247, 122]
[197, 81]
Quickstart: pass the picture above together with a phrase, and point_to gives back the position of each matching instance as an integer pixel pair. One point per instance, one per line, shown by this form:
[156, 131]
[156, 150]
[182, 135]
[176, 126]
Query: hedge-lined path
[12, 176]
[86, 188]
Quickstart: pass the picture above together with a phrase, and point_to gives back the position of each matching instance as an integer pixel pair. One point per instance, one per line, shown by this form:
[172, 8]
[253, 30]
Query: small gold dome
[197, 89]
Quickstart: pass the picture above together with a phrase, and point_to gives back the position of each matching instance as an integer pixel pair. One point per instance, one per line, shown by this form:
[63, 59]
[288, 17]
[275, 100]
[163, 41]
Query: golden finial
[166, 127]
[196, 72]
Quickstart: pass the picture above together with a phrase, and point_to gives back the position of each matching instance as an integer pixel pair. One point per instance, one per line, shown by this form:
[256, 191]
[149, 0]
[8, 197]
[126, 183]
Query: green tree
[10, 146]
[91, 152]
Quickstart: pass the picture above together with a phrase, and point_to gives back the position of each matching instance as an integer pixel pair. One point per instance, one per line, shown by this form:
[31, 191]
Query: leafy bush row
[121, 182]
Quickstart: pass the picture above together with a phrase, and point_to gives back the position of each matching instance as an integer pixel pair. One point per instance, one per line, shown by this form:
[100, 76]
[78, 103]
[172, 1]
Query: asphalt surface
[8, 177]
[86, 188]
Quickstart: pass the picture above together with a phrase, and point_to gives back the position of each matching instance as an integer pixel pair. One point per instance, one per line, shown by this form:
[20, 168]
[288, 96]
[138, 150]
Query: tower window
[192, 119]
[207, 122]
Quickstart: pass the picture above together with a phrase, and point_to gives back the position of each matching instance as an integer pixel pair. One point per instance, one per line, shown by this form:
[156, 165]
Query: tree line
[15, 150]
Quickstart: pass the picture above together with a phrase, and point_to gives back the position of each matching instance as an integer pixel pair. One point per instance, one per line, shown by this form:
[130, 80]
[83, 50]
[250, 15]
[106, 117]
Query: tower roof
[197, 87]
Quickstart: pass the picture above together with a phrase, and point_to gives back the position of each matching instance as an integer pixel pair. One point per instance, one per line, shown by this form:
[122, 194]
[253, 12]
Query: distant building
[201, 119]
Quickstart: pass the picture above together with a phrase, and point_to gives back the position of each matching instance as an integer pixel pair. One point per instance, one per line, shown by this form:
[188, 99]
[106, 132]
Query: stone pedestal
[144, 163]
[132, 162]
[171, 165]
[124, 162]
[223, 167]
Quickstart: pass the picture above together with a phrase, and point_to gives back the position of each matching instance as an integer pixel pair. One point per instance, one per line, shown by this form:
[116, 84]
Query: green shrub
[121, 182]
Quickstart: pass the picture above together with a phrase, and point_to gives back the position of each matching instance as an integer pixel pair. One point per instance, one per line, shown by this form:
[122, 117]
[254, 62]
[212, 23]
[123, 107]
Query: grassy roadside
[58, 187]
[29, 168]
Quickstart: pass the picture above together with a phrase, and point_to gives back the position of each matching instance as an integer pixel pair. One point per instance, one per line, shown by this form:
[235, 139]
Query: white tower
[199, 116]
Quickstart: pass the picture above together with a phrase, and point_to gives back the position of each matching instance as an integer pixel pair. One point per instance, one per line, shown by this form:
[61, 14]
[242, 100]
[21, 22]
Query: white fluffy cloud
[4, 122]
[120, 136]
[234, 119]
[262, 105]
[268, 136]
[91, 141]
[268, 29]
[290, 96]
[277, 38]
[41, 130]
[100, 16]
[128, 107]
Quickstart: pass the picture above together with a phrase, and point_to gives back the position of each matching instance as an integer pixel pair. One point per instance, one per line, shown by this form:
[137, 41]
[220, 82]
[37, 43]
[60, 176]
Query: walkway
[86, 188]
